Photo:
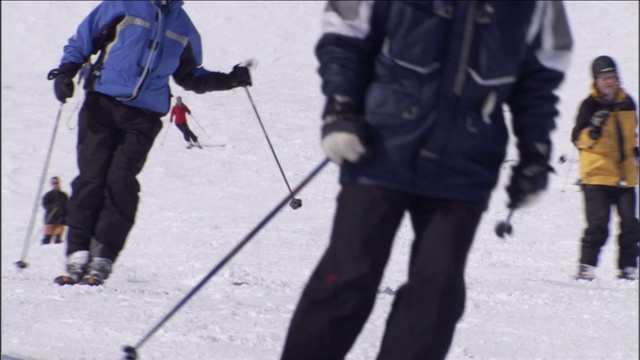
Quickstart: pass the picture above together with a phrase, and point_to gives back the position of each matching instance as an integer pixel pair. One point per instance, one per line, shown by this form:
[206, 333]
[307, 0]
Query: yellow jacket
[612, 158]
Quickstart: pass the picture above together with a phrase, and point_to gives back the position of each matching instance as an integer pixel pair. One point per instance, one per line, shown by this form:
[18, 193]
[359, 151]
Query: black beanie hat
[603, 64]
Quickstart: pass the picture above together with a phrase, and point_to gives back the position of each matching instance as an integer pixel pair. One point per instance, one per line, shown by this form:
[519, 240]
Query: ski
[214, 145]
[206, 145]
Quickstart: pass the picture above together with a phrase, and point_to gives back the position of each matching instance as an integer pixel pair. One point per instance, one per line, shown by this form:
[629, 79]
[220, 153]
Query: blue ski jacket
[141, 44]
[431, 78]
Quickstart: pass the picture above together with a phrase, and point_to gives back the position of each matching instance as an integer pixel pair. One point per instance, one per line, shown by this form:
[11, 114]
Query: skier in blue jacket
[139, 45]
[414, 116]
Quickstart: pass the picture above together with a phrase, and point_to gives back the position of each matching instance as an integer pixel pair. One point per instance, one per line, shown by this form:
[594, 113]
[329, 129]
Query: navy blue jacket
[431, 78]
[141, 44]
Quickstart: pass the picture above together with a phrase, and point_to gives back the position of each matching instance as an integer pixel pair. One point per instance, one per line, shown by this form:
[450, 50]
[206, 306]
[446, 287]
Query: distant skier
[55, 206]
[180, 111]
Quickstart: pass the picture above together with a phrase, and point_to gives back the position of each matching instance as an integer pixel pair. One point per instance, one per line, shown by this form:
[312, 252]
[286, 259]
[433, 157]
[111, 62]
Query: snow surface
[197, 205]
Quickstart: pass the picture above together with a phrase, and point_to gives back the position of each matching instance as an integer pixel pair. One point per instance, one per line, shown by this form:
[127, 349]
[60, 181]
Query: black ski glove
[240, 76]
[596, 122]
[345, 133]
[63, 84]
[531, 174]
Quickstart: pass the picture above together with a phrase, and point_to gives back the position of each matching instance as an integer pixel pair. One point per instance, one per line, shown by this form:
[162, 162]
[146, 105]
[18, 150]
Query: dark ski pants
[113, 143]
[598, 200]
[188, 134]
[341, 292]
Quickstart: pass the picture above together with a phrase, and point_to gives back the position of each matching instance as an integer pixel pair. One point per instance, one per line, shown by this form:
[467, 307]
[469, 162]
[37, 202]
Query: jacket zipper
[461, 74]
[145, 72]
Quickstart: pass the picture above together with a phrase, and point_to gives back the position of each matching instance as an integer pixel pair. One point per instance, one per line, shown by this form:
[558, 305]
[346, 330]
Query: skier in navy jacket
[414, 116]
[139, 44]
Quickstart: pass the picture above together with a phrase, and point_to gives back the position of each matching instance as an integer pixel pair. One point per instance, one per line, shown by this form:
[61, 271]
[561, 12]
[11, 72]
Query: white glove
[342, 145]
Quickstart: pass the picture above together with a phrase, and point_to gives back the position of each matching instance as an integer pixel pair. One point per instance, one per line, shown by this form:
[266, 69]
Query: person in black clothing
[414, 117]
[55, 206]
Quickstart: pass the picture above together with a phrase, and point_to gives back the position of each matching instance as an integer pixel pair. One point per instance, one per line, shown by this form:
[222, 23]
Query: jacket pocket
[415, 40]
[390, 105]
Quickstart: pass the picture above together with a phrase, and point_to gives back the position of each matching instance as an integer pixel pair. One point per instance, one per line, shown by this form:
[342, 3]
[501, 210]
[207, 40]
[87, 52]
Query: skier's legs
[58, 230]
[189, 134]
[597, 211]
[137, 130]
[48, 233]
[96, 141]
[629, 236]
[427, 308]
[185, 132]
[49, 229]
[340, 294]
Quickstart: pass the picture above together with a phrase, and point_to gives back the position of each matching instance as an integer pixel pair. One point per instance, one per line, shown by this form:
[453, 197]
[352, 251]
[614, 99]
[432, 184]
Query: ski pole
[40, 229]
[132, 352]
[43, 225]
[194, 119]
[165, 134]
[21, 264]
[295, 203]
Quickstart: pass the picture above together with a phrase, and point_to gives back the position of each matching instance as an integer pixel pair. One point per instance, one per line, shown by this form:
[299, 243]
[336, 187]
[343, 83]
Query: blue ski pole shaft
[132, 351]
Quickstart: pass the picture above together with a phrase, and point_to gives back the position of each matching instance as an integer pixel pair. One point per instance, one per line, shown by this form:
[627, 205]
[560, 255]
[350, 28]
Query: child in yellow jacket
[605, 135]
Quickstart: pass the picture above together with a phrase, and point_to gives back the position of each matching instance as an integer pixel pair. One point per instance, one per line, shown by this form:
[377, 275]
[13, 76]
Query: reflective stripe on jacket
[144, 45]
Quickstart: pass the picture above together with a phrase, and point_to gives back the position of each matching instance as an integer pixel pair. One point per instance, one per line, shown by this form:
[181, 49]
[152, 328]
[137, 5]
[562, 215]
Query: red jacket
[180, 113]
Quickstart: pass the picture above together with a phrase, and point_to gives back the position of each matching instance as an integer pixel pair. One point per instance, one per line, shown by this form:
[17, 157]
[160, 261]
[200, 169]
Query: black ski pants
[341, 292]
[188, 134]
[113, 142]
[598, 200]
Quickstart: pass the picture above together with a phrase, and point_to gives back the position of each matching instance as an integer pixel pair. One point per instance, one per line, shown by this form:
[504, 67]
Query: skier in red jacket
[180, 111]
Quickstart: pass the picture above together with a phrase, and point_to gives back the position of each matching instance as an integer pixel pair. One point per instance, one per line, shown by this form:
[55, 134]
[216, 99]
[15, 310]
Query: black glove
[63, 84]
[596, 122]
[240, 76]
[531, 174]
[345, 131]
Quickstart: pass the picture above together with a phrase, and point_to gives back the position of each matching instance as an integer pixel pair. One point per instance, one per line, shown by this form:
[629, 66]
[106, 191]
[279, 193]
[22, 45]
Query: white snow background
[197, 205]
